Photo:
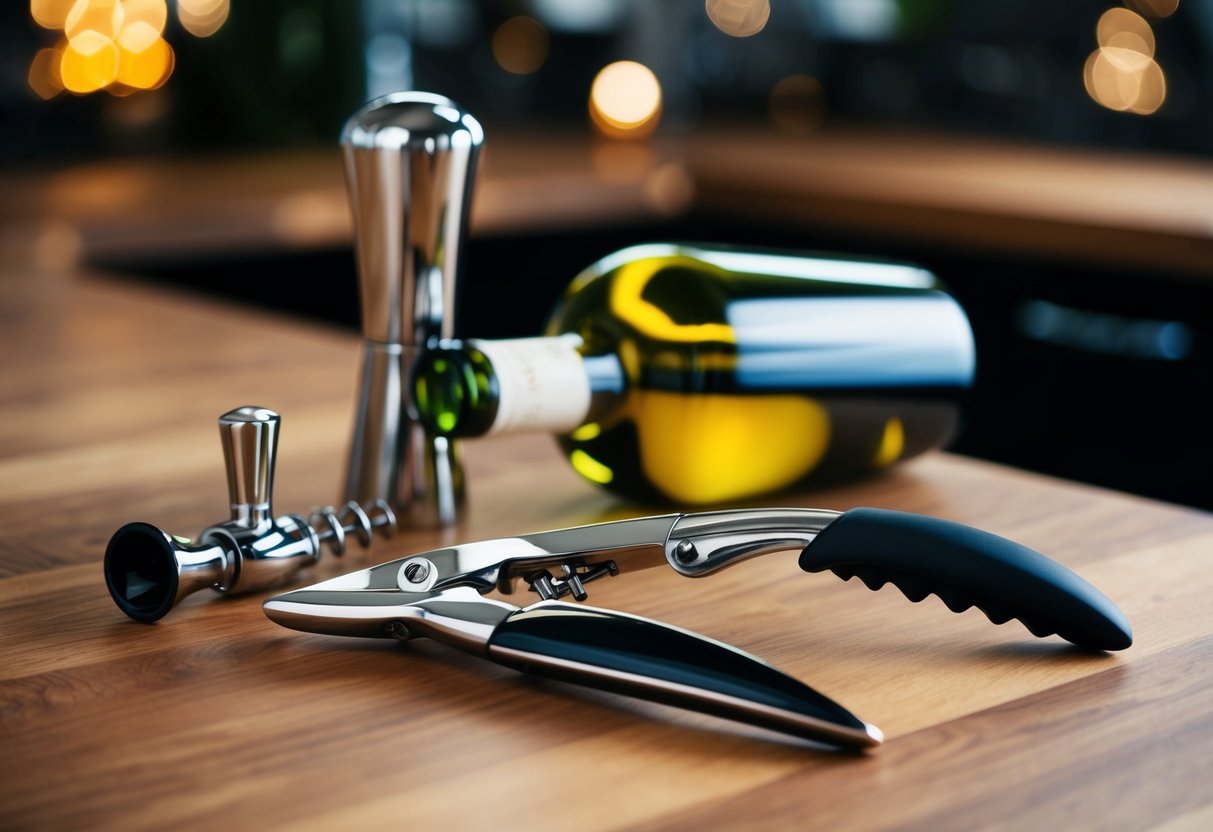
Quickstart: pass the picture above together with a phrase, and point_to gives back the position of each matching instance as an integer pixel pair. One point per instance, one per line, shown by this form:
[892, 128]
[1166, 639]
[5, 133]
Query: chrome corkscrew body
[441, 594]
[149, 571]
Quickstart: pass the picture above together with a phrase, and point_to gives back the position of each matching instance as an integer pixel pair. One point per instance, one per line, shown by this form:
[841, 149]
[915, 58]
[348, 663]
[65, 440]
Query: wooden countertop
[215, 716]
[1139, 210]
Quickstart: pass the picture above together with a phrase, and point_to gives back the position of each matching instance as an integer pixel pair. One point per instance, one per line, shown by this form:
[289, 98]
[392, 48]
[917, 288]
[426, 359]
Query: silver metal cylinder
[410, 161]
[249, 436]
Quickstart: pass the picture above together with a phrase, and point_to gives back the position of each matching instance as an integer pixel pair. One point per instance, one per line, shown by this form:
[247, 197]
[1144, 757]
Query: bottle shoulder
[690, 294]
[680, 320]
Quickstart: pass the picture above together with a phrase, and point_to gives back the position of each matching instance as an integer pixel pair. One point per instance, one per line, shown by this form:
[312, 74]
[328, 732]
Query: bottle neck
[512, 385]
[540, 383]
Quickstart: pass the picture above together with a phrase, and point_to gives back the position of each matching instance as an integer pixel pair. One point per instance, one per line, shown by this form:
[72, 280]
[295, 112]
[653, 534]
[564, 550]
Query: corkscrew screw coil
[332, 525]
[148, 571]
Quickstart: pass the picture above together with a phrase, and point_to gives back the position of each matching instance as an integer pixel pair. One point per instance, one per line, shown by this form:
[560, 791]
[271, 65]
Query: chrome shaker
[410, 162]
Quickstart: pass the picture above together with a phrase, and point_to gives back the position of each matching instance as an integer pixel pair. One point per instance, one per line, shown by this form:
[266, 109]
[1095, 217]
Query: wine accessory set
[410, 159]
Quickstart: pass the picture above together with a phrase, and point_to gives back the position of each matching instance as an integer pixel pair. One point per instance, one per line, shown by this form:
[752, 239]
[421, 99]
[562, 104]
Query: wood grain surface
[1141, 210]
[215, 717]
[971, 194]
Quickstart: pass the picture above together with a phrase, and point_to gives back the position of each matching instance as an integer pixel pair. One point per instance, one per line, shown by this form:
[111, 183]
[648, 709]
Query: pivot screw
[685, 552]
[415, 574]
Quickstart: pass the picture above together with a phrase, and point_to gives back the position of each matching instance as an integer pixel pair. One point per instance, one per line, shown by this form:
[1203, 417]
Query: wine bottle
[702, 375]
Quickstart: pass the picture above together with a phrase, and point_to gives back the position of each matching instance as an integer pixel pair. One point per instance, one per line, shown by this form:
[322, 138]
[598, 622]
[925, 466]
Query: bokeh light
[116, 45]
[1122, 74]
[89, 62]
[797, 103]
[1124, 80]
[43, 77]
[1125, 29]
[625, 100]
[147, 68]
[102, 17]
[148, 16]
[1155, 8]
[669, 189]
[739, 18]
[621, 162]
[202, 18]
[520, 45]
[50, 14]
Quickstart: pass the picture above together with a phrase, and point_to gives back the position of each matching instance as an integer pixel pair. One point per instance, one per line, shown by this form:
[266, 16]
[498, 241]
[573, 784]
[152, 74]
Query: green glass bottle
[701, 375]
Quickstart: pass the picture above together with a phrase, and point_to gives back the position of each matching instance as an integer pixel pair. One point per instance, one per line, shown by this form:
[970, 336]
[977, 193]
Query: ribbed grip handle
[966, 567]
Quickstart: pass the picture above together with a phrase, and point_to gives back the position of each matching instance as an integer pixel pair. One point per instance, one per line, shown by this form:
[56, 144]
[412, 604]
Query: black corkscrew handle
[967, 567]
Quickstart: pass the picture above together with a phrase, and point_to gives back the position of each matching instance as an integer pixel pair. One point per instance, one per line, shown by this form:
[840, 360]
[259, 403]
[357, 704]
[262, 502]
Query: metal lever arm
[587, 646]
[649, 660]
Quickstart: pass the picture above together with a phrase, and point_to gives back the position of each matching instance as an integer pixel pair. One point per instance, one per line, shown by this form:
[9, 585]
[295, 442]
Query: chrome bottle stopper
[410, 162]
[149, 571]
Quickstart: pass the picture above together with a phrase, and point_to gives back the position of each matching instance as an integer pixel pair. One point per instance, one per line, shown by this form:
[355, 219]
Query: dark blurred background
[257, 73]
[1093, 365]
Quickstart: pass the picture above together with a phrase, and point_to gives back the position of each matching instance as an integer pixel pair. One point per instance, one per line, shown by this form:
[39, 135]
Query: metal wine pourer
[440, 595]
[149, 571]
[410, 161]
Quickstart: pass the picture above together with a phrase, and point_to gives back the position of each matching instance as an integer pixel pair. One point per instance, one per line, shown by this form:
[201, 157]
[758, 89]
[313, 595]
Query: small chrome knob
[250, 443]
[410, 161]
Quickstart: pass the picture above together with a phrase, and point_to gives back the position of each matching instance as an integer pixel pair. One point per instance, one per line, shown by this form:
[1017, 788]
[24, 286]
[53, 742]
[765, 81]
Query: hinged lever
[571, 582]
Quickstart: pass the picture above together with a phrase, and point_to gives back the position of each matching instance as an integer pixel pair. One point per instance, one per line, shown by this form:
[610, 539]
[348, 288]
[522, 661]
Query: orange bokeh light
[111, 44]
[520, 45]
[50, 14]
[103, 17]
[43, 75]
[89, 62]
[148, 68]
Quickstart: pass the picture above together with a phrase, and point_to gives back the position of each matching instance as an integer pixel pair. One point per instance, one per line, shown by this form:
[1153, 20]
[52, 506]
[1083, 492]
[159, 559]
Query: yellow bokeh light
[50, 14]
[1155, 8]
[43, 75]
[147, 68]
[111, 44]
[797, 103]
[1121, 28]
[150, 14]
[1124, 80]
[520, 45]
[102, 17]
[89, 62]
[202, 18]
[625, 100]
[137, 36]
[739, 18]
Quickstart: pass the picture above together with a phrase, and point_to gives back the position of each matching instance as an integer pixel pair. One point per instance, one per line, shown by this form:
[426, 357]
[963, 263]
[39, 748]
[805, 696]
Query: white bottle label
[543, 384]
